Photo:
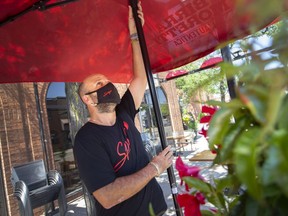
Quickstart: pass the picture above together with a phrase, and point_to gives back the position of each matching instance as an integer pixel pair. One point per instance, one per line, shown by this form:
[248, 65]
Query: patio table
[179, 141]
[205, 155]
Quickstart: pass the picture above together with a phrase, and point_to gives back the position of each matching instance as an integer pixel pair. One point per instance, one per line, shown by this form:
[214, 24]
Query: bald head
[92, 83]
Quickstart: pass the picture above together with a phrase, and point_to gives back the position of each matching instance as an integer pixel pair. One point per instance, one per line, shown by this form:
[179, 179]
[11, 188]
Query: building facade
[20, 136]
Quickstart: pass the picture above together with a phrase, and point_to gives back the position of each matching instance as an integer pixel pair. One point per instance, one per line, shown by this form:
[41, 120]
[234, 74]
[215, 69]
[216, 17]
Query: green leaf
[223, 183]
[275, 168]
[255, 97]
[282, 206]
[246, 161]
[207, 213]
[283, 114]
[272, 191]
[215, 103]
[229, 181]
[252, 207]
[230, 70]
[237, 206]
[233, 203]
[273, 108]
[270, 10]
[279, 138]
[217, 199]
[233, 104]
[226, 152]
[197, 184]
[218, 126]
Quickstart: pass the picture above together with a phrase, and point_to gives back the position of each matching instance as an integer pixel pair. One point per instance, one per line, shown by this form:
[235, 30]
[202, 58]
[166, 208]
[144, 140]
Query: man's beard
[106, 107]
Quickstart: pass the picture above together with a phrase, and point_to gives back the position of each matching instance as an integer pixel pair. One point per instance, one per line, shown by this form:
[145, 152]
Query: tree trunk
[77, 111]
[222, 90]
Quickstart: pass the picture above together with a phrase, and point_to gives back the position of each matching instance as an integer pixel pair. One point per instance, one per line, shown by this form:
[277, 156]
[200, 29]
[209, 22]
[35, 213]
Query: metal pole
[226, 55]
[155, 103]
[192, 71]
[39, 113]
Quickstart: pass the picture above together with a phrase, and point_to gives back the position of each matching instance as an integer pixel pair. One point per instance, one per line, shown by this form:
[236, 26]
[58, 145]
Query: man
[112, 161]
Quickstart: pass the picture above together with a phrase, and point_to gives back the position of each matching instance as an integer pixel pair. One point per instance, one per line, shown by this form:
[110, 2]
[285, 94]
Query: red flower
[185, 170]
[200, 197]
[207, 118]
[207, 110]
[216, 149]
[203, 132]
[190, 203]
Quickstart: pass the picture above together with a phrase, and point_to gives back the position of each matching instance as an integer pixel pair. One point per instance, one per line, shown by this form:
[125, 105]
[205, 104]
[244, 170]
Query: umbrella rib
[14, 17]
[40, 5]
[45, 7]
[193, 71]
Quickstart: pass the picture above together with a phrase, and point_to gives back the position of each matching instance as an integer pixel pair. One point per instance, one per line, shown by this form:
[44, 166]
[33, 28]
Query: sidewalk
[77, 207]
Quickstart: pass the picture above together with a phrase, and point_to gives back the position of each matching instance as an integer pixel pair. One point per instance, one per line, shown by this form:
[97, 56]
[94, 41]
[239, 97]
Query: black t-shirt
[104, 153]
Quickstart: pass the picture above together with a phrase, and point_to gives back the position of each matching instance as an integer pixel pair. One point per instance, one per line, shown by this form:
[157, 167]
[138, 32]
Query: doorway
[57, 111]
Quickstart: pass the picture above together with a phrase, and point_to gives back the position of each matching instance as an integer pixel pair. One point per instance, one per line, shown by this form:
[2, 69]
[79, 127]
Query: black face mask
[107, 94]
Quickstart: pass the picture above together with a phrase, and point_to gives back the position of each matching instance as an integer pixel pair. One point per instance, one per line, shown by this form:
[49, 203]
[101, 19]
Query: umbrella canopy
[67, 43]
[174, 74]
[211, 61]
[207, 64]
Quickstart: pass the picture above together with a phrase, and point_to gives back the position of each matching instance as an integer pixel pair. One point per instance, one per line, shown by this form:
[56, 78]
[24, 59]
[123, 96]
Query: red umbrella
[69, 42]
[211, 62]
[174, 74]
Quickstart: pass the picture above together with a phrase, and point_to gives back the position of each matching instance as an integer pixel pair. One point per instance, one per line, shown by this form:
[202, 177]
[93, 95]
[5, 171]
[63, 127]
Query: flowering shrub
[189, 121]
[250, 136]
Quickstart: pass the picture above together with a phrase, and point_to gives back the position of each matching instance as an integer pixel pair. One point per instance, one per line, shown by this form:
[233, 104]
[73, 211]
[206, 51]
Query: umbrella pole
[226, 55]
[155, 103]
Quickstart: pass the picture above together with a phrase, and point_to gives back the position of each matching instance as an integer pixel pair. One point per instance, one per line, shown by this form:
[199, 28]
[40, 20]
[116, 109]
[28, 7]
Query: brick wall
[19, 133]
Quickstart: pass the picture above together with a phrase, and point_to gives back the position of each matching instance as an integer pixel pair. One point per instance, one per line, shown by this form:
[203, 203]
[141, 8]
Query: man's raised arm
[139, 82]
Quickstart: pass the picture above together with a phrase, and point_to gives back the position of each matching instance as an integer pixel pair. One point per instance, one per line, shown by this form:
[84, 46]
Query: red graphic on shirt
[126, 126]
[107, 93]
[123, 149]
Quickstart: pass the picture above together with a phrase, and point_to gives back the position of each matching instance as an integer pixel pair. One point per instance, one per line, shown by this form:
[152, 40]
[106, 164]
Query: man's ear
[88, 100]
[85, 99]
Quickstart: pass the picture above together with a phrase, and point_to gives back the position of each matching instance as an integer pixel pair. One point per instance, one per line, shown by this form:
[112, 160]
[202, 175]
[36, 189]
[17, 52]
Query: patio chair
[189, 139]
[89, 201]
[22, 193]
[182, 139]
[34, 187]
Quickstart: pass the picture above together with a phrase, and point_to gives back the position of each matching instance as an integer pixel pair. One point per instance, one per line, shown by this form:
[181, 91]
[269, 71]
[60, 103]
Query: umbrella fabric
[211, 61]
[69, 42]
[174, 74]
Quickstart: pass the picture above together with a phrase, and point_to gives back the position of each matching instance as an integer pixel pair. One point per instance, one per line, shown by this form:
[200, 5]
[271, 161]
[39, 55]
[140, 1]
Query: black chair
[22, 193]
[34, 187]
[89, 201]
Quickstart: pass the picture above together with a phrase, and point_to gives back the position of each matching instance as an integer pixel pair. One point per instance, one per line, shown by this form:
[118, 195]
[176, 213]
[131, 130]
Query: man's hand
[131, 22]
[126, 186]
[163, 160]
